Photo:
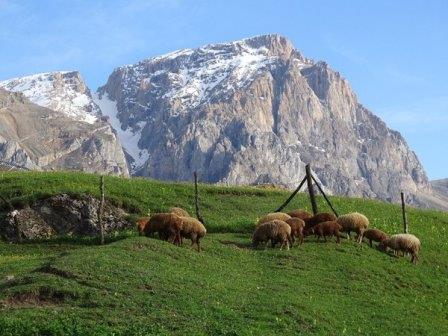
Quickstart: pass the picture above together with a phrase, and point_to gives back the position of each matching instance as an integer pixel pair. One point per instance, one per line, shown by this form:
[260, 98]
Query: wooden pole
[325, 196]
[403, 210]
[196, 197]
[309, 183]
[100, 211]
[292, 196]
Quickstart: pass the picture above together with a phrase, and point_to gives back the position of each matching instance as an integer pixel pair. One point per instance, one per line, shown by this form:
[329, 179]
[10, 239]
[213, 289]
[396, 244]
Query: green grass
[140, 286]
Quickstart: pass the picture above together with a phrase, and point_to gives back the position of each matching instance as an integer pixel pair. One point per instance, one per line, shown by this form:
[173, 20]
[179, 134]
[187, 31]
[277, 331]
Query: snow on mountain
[62, 91]
[129, 139]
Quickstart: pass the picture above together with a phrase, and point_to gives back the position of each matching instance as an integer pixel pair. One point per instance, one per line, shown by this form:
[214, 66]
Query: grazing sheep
[141, 224]
[167, 225]
[403, 242]
[319, 218]
[179, 211]
[276, 231]
[374, 235]
[354, 222]
[325, 229]
[297, 225]
[273, 215]
[193, 229]
[302, 214]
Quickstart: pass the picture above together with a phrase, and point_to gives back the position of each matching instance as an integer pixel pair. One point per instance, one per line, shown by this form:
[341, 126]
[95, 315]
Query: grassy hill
[139, 286]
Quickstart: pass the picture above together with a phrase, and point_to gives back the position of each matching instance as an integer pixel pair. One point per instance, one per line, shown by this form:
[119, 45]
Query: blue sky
[394, 53]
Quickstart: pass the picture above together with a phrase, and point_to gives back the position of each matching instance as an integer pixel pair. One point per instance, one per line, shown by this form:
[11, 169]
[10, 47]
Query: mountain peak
[62, 91]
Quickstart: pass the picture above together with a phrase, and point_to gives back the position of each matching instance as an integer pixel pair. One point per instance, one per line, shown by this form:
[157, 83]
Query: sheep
[167, 225]
[141, 224]
[193, 229]
[179, 211]
[319, 218]
[374, 235]
[275, 230]
[403, 242]
[354, 222]
[302, 214]
[297, 225]
[273, 215]
[324, 229]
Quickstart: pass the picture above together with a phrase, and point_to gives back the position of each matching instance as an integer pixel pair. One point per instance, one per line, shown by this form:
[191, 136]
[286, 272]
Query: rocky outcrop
[62, 215]
[39, 138]
[256, 111]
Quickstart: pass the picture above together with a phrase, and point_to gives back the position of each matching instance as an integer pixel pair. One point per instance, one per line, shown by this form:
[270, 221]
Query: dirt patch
[48, 269]
[43, 297]
[236, 244]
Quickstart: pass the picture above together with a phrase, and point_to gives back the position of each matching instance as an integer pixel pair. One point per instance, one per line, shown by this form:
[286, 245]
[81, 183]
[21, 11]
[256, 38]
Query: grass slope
[140, 286]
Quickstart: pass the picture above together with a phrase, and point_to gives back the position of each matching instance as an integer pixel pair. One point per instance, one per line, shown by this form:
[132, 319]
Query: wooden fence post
[196, 197]
[292, 195]
[309, 183]
[325, 196]
[403, 210]
[100, 211]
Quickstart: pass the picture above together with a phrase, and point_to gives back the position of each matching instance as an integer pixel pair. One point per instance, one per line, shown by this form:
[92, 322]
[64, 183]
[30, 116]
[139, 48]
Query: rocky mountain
[40, 138]
[256, 111]
[62, 91]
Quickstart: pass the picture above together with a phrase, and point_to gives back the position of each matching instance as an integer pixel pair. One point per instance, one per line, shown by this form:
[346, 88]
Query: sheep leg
[287, 245]
[370, 242]
[301, 239]
[338, 239]
[198, 244]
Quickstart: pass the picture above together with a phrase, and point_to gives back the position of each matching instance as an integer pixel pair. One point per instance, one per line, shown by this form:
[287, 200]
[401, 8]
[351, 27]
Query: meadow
[140, 286]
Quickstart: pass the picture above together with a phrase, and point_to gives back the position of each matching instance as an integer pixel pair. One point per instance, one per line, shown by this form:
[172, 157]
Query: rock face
[62, 215]
[256, 111]
[36, 137]
[61, 91]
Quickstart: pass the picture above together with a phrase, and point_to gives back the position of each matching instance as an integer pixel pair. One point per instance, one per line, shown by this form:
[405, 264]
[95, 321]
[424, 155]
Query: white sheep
[403, 242]
[273, 215]
[354, 222]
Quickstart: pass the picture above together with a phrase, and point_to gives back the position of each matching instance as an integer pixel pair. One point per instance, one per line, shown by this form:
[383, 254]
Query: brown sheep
[402, 242]
[167, 225]
[302, 214]
[374, 235]
[141, 224]
[324, 229]
[297, 225]
[354, 222]
[276, 231]
[273, 215]
[179, 211]
[319, 218]
[193, 229]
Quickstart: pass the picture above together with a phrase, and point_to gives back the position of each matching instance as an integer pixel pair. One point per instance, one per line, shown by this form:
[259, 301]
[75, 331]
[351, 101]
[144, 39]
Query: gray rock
[62, 215]
[42, 139]
[256, 111]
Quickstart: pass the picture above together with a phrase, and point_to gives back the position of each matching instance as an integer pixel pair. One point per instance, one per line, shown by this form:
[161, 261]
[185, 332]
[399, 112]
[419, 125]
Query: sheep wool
[179, 211]
[355, 222]
[298, 213]
[167, 225]
[374, 235]
[193, 229]
[297, 225]
[403, 242]
[141, 224]
[272, 216]
[276, 231]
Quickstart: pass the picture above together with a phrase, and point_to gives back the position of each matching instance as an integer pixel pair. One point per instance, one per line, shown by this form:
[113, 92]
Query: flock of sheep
[282, 228]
